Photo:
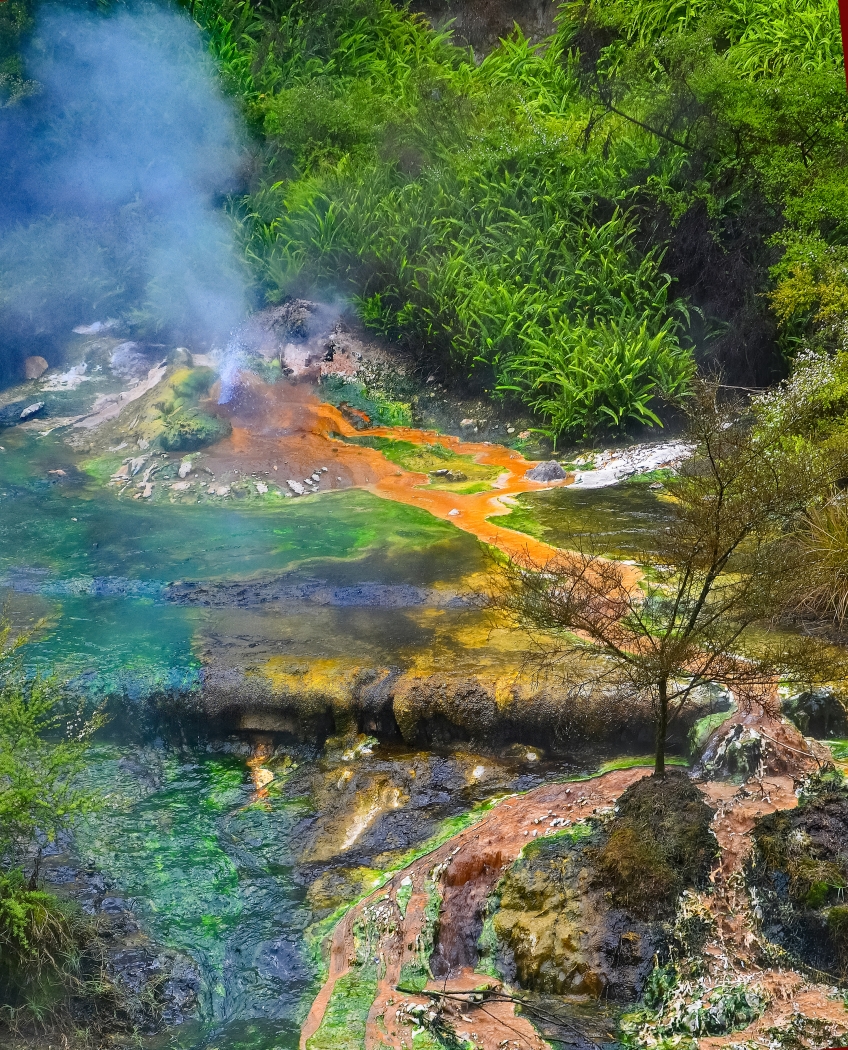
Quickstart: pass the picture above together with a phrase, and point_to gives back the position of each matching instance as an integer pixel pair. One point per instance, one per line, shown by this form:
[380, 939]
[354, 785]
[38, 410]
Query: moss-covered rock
[799, 872]
[659, 844]
[557, 931]
[188, 430]
[584, 913]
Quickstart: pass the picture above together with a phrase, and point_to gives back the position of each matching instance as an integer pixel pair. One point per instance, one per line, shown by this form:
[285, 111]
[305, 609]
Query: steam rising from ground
[114, 174]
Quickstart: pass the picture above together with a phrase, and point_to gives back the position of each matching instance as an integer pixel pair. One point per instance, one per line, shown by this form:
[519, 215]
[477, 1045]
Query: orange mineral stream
[286, 431]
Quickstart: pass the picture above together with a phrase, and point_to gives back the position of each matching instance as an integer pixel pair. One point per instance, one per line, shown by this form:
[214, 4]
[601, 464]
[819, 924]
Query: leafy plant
[450, 202]
[42, 749]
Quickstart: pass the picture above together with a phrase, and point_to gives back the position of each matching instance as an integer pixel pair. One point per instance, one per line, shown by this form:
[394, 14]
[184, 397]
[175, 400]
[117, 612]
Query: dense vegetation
[528, 212]
[662, 181]
[43, 940]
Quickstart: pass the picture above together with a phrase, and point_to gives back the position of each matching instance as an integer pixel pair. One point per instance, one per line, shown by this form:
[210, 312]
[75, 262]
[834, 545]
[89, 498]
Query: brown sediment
[287, 432]
[735, 952]
[466, 869]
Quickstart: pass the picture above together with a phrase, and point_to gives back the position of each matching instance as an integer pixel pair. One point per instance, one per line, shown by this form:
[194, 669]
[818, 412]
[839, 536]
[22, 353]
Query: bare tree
[702, 606]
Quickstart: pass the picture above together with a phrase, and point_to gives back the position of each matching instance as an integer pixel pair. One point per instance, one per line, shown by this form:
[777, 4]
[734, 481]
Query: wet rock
[35, 367]
[547, 471]
[129, 361]
[739, 750]
[582, 913]
[282, 961]
[561, 936]
[151, 986]
[96, 328]
[10, 415]
[818, 713]
[158, 987]
[355, 416]
[449, 475]
[798, 871]
[31, 410]
[295, 318]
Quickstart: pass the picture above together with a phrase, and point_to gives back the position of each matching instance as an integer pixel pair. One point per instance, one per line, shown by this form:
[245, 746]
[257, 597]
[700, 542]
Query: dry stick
[498, 997]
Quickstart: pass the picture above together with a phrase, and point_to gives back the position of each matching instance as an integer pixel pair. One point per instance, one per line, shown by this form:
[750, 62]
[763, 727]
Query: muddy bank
[515, 925]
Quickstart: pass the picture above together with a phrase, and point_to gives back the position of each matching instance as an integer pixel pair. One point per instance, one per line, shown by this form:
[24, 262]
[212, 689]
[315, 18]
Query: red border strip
[843, 22]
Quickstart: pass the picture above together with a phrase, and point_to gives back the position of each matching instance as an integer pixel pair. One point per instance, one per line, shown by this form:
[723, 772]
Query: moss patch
[800, 871]
[343, 1026]
[415, 975]
[378, 408]
[659, 843]
[447, 469]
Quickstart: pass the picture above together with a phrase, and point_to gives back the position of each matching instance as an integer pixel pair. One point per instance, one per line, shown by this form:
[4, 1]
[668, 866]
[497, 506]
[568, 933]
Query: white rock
[185, 468]
[296, 487]
[453, 513]
[261, 488]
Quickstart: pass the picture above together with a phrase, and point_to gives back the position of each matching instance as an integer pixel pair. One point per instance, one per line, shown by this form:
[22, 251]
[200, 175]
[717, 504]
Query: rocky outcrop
[581, 913]
[562, 935]
[817, 712]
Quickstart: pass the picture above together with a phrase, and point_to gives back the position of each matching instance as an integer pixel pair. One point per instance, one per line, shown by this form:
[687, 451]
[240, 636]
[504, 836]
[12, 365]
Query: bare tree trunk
[662, 729]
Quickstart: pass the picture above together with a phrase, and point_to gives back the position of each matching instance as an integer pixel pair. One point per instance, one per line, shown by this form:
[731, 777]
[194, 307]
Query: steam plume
[114, 173]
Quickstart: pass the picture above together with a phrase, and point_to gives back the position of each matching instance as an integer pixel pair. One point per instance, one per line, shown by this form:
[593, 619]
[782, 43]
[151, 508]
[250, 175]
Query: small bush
[42, 942]
[186, 431]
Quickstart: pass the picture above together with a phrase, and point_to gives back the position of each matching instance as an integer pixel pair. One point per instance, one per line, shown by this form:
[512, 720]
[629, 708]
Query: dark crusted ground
[800, 871]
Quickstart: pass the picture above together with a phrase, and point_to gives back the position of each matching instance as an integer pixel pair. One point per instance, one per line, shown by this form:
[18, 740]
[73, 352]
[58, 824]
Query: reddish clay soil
[734, 950]
[287, 432]
[468, 867]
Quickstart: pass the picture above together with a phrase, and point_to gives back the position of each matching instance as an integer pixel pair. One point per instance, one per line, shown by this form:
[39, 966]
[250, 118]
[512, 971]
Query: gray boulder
[547, 471]
[818, 713]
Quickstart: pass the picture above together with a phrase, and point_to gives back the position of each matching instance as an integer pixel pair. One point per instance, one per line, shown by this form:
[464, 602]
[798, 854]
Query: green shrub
[32, 923]
[452, 202]
[186, 431]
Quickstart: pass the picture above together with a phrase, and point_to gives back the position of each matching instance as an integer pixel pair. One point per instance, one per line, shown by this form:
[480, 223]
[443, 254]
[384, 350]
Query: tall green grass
[457, 204]
[760, 36]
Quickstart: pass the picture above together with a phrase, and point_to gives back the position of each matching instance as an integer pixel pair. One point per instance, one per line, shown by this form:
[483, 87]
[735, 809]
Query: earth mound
[584, 913]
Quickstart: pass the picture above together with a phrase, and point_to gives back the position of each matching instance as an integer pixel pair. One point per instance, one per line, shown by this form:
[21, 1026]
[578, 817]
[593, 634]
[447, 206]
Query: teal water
[94, 566]
[618, 521]
[208, 870]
